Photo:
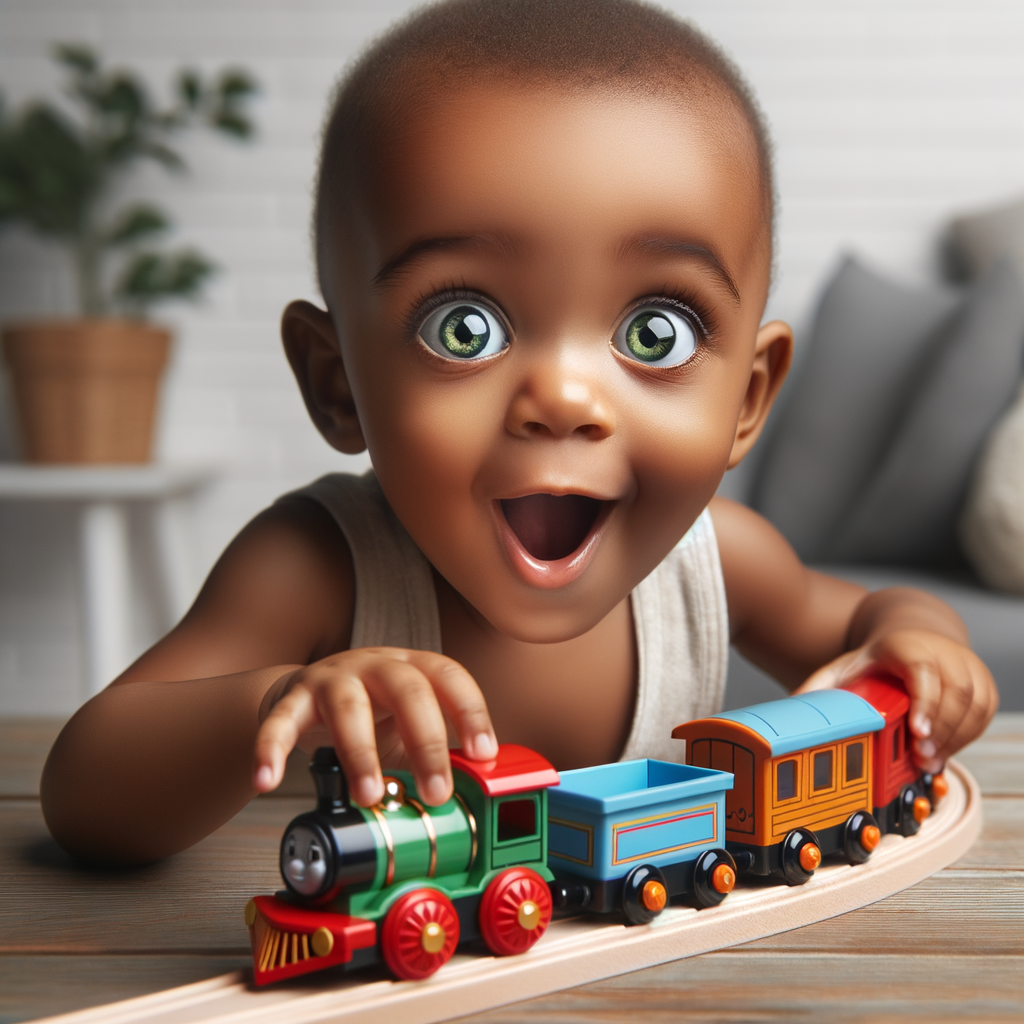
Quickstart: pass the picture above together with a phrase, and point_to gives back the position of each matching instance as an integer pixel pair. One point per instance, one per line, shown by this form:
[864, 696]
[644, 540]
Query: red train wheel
[420, 934]
[515, 911]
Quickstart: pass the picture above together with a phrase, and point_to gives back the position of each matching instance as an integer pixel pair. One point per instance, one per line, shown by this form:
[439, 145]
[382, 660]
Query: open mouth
[551, 526]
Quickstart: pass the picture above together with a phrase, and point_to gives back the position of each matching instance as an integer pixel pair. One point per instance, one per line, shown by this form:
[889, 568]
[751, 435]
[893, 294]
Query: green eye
[658, 337]
[463, 332]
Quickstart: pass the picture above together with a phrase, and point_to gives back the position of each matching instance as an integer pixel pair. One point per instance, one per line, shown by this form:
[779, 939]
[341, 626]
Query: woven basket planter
[86, 391]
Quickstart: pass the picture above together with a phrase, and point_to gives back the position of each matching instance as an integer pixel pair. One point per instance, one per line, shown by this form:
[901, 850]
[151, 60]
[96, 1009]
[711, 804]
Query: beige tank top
[679, 611]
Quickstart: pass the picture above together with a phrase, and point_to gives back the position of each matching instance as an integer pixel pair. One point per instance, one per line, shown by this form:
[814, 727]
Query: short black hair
[577, 44]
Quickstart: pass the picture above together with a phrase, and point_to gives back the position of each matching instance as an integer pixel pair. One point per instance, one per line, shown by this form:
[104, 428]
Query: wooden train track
[576, 950]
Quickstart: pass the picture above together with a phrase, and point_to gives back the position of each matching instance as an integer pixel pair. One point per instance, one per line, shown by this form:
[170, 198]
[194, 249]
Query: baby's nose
[558, 401]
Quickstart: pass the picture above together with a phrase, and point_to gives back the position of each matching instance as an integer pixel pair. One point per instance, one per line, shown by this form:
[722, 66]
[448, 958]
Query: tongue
[550, 526]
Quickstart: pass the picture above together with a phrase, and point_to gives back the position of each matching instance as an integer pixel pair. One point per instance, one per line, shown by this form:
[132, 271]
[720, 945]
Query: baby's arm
[165, 754]
[806, 628]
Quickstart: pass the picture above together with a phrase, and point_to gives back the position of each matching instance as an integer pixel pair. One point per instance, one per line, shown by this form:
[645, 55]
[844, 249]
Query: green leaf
[48, 175]
[136, 223]
[233, 124]
[190, 89]
[163, 154]
[77, 56]
[124, 97]
[152, 277]
[236, 83]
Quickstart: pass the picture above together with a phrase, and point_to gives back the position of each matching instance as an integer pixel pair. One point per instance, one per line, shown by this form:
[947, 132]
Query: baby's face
[548, 326]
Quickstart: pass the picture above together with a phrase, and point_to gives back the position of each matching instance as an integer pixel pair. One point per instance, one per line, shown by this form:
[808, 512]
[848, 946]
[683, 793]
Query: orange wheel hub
[940, 787]
[870, 835]
[723, 879]
[810, 857]
[922, 808]
[654, 895]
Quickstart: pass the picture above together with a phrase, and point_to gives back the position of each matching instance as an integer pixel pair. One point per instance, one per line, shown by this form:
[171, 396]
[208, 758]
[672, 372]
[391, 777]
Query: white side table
[104, 495]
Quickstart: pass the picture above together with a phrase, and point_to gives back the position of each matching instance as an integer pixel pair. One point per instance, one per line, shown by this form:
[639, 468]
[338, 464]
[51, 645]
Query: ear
[773, 352]
[311, 345]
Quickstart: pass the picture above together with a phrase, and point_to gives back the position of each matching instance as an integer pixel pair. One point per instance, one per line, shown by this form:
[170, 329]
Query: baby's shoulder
[290, 566]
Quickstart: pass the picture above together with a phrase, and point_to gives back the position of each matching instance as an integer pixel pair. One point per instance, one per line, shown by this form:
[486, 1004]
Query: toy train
[769, 789]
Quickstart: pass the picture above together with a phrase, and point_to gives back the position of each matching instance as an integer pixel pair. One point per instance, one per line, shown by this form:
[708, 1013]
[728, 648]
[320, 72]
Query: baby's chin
[500, 600]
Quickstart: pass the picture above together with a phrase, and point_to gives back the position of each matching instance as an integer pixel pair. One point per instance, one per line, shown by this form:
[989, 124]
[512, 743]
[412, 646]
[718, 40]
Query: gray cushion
[906, 514]
[868, 340]
[975, 243]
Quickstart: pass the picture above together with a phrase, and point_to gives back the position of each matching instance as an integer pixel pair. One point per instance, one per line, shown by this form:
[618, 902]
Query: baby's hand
[952, 694]
[353, 695]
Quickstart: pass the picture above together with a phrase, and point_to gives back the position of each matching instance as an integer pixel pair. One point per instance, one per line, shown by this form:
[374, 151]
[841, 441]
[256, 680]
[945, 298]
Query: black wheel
[801, 854]
[644, 894]
[569, 895]
[714, 876]
[913, 808]
[860, 836]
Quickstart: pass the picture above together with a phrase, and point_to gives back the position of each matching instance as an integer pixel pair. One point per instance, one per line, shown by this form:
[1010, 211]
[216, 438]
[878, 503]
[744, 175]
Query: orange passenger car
[802, 788]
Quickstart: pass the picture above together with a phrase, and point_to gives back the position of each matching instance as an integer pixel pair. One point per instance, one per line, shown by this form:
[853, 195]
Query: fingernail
[368, 790]
[436, 789]
[922, 724]
[264, 777]
[483, 747]
[925, 748]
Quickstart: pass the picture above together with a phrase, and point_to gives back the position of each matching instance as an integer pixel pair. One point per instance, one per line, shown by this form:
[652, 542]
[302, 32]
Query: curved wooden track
[576, 950]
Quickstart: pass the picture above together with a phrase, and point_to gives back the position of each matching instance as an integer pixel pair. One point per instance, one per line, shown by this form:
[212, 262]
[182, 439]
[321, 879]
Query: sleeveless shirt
[679, 611]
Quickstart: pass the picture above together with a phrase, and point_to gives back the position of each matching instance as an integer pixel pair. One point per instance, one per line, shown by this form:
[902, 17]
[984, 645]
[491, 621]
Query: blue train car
[631, 836]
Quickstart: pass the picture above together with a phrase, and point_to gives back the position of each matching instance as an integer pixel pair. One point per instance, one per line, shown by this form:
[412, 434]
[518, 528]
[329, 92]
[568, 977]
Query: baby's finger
[345, 708]
[462, 702]
[984, 701]
[406, 692]
[835, 673]
[289, 717]
[905, 656]
[954, 706]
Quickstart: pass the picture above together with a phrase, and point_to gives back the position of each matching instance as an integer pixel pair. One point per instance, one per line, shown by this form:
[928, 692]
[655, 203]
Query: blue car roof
[808, 720]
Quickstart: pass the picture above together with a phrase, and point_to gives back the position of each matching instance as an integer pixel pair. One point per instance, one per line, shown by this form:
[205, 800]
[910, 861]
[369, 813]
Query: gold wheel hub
[323, 942]
[529, 915]
[432, 938]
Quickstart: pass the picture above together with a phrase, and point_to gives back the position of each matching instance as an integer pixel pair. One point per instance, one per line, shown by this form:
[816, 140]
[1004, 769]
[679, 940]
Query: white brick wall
[888, 115]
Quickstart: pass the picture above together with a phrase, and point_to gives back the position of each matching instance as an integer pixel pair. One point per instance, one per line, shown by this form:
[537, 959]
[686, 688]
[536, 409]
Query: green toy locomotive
[355, 876]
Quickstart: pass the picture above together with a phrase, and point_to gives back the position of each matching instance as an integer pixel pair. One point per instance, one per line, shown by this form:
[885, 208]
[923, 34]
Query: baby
[544, 238]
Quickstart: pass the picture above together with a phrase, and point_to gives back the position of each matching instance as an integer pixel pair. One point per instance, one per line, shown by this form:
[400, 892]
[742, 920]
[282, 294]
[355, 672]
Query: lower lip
[550, 575]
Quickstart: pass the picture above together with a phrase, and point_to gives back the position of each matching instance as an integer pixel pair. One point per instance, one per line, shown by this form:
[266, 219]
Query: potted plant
[85, 389]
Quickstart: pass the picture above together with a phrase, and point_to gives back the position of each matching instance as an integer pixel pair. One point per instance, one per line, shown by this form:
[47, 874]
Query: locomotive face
[304, 860]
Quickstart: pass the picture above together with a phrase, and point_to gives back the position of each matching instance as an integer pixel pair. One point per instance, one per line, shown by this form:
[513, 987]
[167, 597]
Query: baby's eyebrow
[676, 247]
[423, 246]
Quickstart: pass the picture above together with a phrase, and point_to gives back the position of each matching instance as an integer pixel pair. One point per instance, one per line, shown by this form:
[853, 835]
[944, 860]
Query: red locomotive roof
[514, 770]
[884, 693]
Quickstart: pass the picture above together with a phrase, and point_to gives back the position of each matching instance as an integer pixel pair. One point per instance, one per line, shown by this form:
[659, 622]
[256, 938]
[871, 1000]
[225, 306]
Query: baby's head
[563, 46]
[543, 232]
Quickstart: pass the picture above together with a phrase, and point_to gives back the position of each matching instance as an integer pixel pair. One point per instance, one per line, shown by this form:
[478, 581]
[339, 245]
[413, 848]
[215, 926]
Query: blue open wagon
[632, 835]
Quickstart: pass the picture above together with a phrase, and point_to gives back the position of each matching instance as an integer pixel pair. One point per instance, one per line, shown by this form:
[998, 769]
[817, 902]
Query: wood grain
[996, 760]
[747, 986]
[32, 986]
[949, 948]
[24, 744]
[192, 902]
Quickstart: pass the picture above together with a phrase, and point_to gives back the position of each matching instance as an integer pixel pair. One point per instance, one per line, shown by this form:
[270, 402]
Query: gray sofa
[868, 456]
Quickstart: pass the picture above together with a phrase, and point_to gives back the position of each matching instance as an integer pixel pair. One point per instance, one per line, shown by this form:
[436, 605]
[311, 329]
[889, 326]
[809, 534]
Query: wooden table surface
[948, 949]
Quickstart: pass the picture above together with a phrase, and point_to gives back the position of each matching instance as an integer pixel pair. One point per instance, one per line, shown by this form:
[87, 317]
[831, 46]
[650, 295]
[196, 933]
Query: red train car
[902, 796]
